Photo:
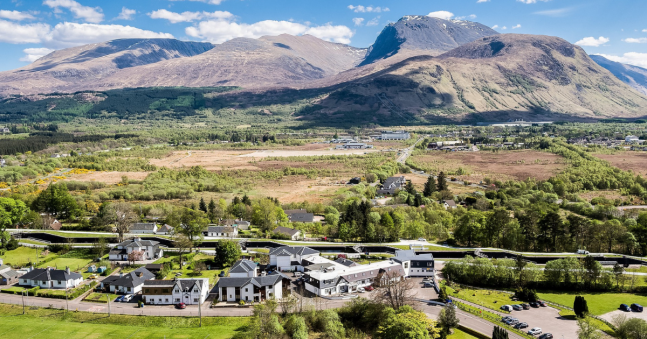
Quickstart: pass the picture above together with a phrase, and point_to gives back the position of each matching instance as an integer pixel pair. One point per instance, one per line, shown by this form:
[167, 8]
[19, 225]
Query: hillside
[428, 35]
[634, 76]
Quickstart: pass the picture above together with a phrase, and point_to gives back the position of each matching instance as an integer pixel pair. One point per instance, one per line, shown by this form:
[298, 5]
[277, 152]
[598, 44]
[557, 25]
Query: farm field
[599, 303]
[109, 178]
[46, 323]
[634, 161]
[504, 165]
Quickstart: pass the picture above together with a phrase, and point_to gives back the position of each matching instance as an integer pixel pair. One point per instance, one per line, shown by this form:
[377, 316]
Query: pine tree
[410, 189]
[246, 200]
[442, 182]
[236, 201]
[430, 186]
[211, 210]
[203, 205]
[580, 306]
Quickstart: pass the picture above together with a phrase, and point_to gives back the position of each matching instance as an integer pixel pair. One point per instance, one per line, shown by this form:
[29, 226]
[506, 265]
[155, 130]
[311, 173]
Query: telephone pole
[67, 305]
[108, 298]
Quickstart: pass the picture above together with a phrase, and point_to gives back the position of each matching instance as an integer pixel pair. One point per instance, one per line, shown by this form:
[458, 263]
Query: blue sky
[32, 28]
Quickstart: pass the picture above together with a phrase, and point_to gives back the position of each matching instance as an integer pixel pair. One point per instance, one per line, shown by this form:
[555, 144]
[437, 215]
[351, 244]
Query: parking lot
[549, 320]
[609, 316]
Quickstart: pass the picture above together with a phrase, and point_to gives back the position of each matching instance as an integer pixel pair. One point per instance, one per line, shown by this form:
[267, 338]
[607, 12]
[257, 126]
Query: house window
[177, 291]
[177, 299]
[406, 265]
[195, 300]
[165, 290]
[166, 300]
[269, 294]
[355, 275]
[59, 282]
[245, 289]
[146, 290]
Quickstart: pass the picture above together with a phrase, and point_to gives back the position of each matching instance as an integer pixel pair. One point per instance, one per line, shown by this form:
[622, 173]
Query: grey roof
[49, 274]
[159, 283]
[141, 226]
[318, 267]
[7, 272]
[132, 279]
[186, 284]
[292, 250]
[220, 229]
[117, 251]
[154, 267]
[450, 203]
[290, 212]
[393, 181]
[165, 228]
[346, 262]
[285, 230]
[408, 255]
[268, 280]
[138, 243]
[302, 217]
[396, 268]
[243, 266]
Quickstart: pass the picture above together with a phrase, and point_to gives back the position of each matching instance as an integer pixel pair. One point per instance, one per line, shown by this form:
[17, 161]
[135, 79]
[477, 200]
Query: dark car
[534, 304]
[625, 307]
[636, 308]
[504, 319]
[521, 326]
[429, 285]
[517, 307]
[525, 306]
[181, 306]
[542, 304]
[546, 336]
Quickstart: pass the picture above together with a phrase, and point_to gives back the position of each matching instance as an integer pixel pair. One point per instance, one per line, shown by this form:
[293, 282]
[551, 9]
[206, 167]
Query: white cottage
[168, 292]
[51, 278]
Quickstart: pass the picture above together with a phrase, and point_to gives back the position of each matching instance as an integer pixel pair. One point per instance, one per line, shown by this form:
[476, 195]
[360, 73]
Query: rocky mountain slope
[491, 79]
[635, 76]
[422, 33]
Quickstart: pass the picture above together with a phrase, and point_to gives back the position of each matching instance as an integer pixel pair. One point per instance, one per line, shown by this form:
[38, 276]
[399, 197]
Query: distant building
[300, 215]
[291, 233]
[631, 138]
[150, 248]
[449, 204]
[128, 283]
[418, 265]
[222, 231]
[165, 229]
[395, 135]
[392, 184]
[354, 145]
[143, 228]
[7, 275]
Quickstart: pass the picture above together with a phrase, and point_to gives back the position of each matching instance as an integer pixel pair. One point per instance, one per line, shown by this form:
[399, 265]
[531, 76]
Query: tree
[296, 327]
[192, 224]
[100, 247]
[203, 206]
[56, 199]
[409, 188]
[430, 186]
[227, 252]
[442, 296]
[394, 290]
[211, 210]
[580, 307]
[265, 322]
[265, 214]
[634, 328]
[406, 323]
[448, 319]
[587, 330]
[11, 212]
[122, 215]
[182, 244]
[442, 182]
[499, 333]
[135, 256]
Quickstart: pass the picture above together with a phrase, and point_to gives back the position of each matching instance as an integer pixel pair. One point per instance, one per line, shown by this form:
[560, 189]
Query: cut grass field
[100, 297]
[458, 334]
[599, 303]
[49, 323]
[23, 255]
[486, 298]
[61, 263]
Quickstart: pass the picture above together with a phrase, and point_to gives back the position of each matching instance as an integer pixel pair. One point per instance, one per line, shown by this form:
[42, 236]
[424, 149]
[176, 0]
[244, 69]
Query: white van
[506, 308]
[585, 252]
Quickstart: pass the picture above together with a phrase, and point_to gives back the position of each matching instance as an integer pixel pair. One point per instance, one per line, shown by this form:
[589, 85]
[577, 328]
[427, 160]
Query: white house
[254, 289]
[51, 278]
[449, 204]
[415, 265]
[150, 248]
[631, 138]
[222, 231]
[243, 269]
[287, 258]
[129, 283]
[290, 233]
[168, 292]
[337, 278]
[165, 229]
[144, 228]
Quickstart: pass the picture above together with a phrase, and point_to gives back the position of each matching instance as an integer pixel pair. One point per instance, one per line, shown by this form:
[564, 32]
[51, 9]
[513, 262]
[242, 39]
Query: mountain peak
[419, 32]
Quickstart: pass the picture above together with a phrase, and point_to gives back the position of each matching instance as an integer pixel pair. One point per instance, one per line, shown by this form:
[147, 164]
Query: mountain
[635, 76]
[491, 79]
[69, 69]
[434, 36]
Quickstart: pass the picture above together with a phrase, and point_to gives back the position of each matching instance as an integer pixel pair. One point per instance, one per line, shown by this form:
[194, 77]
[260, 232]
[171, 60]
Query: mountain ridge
[634, 76]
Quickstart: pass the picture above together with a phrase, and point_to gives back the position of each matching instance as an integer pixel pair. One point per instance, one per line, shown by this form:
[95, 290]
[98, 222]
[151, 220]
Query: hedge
[71, 295]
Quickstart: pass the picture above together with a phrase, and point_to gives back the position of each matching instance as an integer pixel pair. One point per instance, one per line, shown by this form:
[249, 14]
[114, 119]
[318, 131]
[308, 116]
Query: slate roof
[138, 243]
[220, 229]
[164, 229]
[290, 212]
[285, 230]
[158, 283]
[268, 280]
[49, 274]
[302, 217]
[7, 272]
[292, 250]
[141, 226]
[117, 251]
[393, 181]
[132, 279]
[154, 267]
[346, 262]
[450, 203]
[243, 266]
[408, 255]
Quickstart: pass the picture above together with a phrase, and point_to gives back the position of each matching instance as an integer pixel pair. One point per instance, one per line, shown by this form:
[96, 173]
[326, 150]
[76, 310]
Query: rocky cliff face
[431, 35]
[634, 76]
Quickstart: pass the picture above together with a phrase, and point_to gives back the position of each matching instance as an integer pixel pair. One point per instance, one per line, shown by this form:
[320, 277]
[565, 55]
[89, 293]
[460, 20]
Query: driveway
[609, 316]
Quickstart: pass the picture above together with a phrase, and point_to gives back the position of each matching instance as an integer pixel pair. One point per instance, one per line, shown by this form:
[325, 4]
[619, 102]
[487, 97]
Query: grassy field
[599, 303]
[486, 298]
[99, 297]
[458, 334]
[23, 255]
[73, 263]
[46, 324]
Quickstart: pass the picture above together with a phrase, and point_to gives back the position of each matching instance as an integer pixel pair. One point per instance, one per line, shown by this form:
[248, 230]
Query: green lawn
[47, 324]
[100, 297]
[486, 298]
[73, 263]
[14, 289]
[599, 303]
[642, 269]
[458, 334]
[23, 255]
[212, 275]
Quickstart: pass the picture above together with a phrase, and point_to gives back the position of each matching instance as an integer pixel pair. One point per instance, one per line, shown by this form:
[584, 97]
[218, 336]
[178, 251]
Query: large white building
[169, 292]
[287, 258]
[150, 248]
[51, 278]
[395, 135]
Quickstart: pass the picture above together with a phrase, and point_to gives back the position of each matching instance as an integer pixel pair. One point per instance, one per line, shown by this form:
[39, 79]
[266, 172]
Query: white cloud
[555, 12]
[89, 14]
[532, 1]
[636, 40]
[592, 42]
[210, 2]
[482, 1]
[631, 58]
[358, 21]
[516, 26]
[504, 28]
[174, 17]
[374, 22]
[15, 33]
[68, 34]
[471, 17]
[441, 15]
[645, 30]
[15, 15]
[367, 9]
[33, 54]
[219, 31]
[126, 14]
[495, 26]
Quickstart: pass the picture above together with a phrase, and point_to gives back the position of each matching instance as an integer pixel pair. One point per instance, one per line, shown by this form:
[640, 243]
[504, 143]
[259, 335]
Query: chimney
[31, 268]
[121, 274]
[67, 270]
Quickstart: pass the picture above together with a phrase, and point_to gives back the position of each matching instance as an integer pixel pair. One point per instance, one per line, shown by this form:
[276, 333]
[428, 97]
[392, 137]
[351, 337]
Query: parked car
[181, 306]
[636, 308]
[517, 307]
[534, 304]
[92, 276]
[127, 298]
[546, 336]
[542, 303]
[506, 308]
[425, 279]
[513, 321]
[369, 288]
[428, 284]
[422, 239]
[119, 298]
[535, 331]
[625, 307]
[585, 252]
[525, 306]
[506, 318]
[361, 290]
[521, 326]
